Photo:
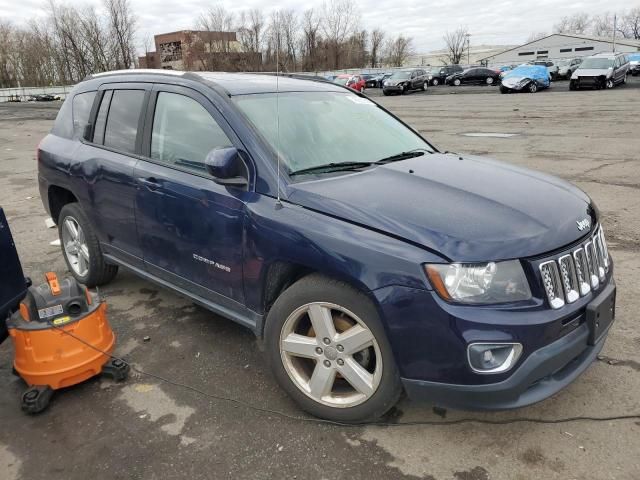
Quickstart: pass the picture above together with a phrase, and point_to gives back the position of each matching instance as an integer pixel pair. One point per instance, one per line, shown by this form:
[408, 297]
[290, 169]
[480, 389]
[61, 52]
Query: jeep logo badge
[584, 224]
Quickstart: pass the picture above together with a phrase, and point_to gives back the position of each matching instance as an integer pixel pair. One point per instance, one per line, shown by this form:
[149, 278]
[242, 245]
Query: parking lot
[148, 428]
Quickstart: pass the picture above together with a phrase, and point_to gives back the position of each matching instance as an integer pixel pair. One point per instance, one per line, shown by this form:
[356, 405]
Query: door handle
[150, 182]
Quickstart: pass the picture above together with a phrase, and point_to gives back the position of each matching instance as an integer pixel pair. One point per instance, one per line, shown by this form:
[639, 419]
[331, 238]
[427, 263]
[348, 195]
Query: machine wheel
[328, 350]
[624, 79]
[457, 82]
[572, 85]
[424, 86]
[435, 82]
[489, 80]
[533, 87]
[36, 399]
[81, 249]
[504, 90]
[385, 93]
[116, 369]
[609, 84]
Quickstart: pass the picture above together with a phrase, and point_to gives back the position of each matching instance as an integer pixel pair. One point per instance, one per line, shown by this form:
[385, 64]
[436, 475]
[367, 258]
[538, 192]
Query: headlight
[430, 77]
[493, 282]
[574, 76]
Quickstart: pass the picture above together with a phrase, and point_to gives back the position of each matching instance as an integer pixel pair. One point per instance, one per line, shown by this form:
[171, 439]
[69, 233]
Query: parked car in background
[525, 78]
[603, 70]
[373, 80]
[402, 81]
[634, 63]
[437, 75]
[474, 76]
[355, 82]
[567, 67]
[498, 298]
[551, 67]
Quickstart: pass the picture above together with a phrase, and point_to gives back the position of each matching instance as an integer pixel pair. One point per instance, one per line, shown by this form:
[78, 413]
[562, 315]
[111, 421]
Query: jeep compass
[368, 263]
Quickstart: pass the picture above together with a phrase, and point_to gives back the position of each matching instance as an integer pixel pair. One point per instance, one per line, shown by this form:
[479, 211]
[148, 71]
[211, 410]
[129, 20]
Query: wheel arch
[58, 197]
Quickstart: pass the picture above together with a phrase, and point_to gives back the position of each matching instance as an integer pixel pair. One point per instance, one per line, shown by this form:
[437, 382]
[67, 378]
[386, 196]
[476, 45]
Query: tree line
[68, 44]
[627, 25]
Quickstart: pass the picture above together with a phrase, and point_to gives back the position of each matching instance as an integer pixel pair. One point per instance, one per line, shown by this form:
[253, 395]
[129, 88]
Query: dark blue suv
[368, 261]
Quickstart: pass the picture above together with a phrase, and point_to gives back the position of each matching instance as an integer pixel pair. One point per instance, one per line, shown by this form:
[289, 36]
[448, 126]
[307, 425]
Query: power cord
[298, 418]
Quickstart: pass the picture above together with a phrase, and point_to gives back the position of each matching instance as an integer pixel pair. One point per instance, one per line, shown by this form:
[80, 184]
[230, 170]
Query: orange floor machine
[61, 337]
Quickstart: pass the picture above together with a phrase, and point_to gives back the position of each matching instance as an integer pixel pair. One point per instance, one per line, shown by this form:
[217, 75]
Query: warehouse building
[559, 46]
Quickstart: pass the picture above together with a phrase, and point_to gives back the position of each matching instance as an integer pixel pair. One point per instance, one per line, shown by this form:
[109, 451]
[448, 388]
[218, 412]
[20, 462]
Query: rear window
[122, 122]
[82, 104]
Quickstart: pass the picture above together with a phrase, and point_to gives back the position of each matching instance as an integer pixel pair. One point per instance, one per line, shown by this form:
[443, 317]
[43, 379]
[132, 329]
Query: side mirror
[226, 167]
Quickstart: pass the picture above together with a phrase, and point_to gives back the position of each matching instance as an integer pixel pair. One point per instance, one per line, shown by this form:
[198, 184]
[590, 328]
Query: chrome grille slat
[574, 275]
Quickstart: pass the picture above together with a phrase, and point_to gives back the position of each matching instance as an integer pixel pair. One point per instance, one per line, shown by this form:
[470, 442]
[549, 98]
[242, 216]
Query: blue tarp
[633, 57]
[534, 72]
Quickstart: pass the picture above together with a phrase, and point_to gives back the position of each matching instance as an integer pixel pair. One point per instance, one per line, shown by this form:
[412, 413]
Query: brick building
[199, 51]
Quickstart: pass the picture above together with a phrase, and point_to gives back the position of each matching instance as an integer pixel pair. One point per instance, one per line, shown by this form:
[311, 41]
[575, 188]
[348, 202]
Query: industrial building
[199, 51]
[559, 46]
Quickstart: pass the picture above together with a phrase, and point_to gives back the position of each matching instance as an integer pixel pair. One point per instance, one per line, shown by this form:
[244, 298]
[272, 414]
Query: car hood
[591, 72]
[513, 82]
[470, 209]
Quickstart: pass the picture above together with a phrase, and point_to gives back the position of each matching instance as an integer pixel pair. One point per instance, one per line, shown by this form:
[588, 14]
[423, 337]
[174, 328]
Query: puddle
[491, 135]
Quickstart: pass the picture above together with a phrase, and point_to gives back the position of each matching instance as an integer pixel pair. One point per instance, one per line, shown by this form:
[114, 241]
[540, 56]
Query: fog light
[493, 357]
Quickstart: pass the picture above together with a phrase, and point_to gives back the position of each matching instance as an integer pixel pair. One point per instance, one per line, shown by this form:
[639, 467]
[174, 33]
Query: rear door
[190, 228]
[109, 157]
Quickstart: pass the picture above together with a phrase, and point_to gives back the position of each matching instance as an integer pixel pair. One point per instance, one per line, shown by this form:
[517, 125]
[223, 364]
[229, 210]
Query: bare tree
[122, 29]
[376, 42]
[536, 36]
[310, 40]
[340, 19]
[630, 23]
[576, 24]
[398, 50]
[455, 44]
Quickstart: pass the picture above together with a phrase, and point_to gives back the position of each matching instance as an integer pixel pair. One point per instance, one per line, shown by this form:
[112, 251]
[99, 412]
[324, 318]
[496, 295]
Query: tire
[457, 82]
[624, 79]
[385, 93]
[532, 87]
[489, 81]
[405, 89]
[424, 86]
[609, 84]
[435, 82]
[504, 90]
[93, 271]
[572, 85]
[334, 301]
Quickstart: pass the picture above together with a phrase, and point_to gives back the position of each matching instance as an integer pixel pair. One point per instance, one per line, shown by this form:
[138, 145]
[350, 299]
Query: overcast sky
[498, 22]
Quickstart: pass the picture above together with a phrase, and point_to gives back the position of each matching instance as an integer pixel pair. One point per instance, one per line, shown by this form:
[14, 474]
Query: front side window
[184, 132]
[122, 122]
[316, 128]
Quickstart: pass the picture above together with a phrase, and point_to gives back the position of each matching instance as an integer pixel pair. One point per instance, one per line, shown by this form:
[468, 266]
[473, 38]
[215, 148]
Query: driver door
[190, 228]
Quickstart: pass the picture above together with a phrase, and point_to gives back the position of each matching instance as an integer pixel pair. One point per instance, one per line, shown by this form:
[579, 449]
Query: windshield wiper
[332, 167]
[418, 152]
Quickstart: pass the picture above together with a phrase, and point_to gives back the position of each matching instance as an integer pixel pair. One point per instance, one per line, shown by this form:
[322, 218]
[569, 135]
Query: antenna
[278, 202]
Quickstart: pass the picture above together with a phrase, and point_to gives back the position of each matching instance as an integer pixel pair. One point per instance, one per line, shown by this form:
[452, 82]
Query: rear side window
[122, 121]
[63, 126]
[82, 104]
[184, 132]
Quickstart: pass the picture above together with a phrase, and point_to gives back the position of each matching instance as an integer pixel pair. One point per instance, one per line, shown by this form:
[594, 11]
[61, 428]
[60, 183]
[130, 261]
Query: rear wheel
[489, 80]
[435, 82]
[81, 248]
[327, 348]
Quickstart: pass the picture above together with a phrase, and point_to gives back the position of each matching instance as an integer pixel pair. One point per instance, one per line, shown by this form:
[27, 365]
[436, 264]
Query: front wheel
[435, 82]
[457, 82]
[328, 349]
[533, 87]
[609, 83]
[81, 248]
[424, 86]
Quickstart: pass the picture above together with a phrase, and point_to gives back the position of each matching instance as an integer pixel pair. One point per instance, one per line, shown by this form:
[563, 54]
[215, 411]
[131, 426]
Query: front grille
[575, 274]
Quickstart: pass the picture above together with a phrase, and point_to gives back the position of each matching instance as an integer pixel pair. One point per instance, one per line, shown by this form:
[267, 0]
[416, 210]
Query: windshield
[318, 128]
[564, 63]
[597, 63]
[400, 75]
[435, 70]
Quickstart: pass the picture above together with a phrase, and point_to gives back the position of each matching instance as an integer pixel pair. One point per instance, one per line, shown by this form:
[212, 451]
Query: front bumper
[589, 82]
[393, 88]
[542, 374]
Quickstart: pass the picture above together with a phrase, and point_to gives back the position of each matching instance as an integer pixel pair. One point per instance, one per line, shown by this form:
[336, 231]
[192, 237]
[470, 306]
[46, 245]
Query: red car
[355, 82]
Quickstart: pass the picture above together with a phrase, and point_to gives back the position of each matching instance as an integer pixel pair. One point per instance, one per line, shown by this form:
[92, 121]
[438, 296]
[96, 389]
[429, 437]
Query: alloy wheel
[75, 246]
[330, 355]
